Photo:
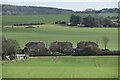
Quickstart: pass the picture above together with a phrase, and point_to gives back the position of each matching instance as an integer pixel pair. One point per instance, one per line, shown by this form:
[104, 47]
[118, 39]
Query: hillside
[32, 10]
[48, 19]
[50, 33]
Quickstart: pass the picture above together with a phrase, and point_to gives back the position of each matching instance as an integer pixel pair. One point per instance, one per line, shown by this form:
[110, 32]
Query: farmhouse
[82, 45]
[60, 46]
[86, 49]
[37, 48]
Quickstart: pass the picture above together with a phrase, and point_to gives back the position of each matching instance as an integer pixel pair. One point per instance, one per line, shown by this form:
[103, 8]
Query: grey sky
[67, 4]
[60, 0]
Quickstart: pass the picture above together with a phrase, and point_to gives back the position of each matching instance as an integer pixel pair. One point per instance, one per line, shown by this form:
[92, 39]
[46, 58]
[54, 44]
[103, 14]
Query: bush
[13, 57]
[27, 56]
[4, 56]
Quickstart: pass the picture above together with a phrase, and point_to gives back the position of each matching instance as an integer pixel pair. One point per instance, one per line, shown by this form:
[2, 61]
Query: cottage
[37, 48]
[60, 46]
[82, 45]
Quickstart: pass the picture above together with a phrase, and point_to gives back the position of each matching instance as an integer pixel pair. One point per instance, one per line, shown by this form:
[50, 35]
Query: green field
[49, 33]
[63, 67]
[14, 19]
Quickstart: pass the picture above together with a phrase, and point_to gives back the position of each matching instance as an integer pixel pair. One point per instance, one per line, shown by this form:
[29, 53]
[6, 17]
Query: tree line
[104, 10]
[92, 21]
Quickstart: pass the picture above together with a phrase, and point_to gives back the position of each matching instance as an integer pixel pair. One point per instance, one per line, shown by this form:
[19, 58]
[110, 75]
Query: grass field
[60, 67]
[49, 33]
[63, 67]
[0, 70]
[14, 19]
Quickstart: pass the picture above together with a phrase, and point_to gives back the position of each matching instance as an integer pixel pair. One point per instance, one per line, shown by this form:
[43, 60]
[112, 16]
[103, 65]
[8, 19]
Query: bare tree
[105, 40]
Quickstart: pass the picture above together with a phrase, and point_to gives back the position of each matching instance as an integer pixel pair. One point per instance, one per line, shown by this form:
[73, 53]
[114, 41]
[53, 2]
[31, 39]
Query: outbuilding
[20, 56]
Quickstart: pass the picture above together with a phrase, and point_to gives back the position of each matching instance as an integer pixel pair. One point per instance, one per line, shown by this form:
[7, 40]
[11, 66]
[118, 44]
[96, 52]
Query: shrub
[13, 57]
[27, 56]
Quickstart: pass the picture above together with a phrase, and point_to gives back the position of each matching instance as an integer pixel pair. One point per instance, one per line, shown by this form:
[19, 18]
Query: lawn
[49, 33]
[63, 67]
[14, 19]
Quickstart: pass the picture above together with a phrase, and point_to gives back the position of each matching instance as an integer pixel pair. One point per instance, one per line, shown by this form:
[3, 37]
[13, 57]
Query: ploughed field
[63, 67]
[50, 33]
[48, 19]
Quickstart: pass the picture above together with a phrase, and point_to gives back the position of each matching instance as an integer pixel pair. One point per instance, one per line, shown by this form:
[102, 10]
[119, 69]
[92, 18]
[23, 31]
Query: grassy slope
[50, 33]
[10, 20]
[64, 67]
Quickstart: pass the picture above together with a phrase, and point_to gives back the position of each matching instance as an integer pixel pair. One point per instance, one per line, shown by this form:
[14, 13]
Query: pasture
[59, 66]
[49, 19]
[63, 67]
[0, 69]
[49, 33]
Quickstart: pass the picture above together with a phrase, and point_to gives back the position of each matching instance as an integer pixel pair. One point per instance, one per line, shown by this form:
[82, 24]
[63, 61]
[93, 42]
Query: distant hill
[32, 10]
[104, 10]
